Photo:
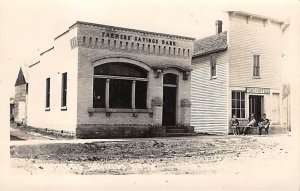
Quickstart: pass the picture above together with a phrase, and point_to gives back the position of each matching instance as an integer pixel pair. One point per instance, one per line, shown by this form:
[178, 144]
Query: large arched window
[120, 85]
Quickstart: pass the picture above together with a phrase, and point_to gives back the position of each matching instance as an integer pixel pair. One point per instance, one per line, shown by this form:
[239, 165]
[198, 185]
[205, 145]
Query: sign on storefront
[258, 90]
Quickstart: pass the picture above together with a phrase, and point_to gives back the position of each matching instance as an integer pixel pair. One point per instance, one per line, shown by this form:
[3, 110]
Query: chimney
[218, 26]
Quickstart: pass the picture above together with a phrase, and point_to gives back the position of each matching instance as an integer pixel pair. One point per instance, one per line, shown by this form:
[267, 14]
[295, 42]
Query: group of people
[262, 124]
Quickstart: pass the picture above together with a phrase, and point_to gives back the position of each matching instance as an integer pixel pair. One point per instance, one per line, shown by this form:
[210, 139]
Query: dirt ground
[201, 155]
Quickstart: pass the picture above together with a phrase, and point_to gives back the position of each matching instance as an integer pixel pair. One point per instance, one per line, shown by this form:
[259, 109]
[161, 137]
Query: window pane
[238, 104]
[99, 93]
[242, 113]
[238, 114]
[140, 95]
[170, 79]
[120, 69]
[120, 93]
[233, 112]
[243, 96]
[48, 92]
[64, 90]
[242, 104]
[232, 95]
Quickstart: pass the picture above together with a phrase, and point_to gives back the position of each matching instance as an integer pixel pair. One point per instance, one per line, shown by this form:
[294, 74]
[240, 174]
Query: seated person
[264, 124]
[234, 125]
[251, 123]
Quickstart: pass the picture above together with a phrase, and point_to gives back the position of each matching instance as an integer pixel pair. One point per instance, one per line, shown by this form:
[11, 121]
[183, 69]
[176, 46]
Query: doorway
[169, 99]
[256, 106]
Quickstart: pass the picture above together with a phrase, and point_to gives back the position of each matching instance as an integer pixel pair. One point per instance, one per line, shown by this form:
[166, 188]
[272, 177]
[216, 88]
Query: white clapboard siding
[209, 96]
[254, 37]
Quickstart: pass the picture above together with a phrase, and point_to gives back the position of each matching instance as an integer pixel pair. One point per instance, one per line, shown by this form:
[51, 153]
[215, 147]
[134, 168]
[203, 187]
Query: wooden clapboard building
[237, 71]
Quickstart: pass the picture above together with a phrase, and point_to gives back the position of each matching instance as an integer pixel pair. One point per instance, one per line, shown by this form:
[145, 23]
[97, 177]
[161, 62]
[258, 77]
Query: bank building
[100, 81]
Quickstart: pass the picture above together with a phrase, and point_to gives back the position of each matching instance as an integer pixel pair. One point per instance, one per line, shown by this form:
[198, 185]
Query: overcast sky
[28, 27]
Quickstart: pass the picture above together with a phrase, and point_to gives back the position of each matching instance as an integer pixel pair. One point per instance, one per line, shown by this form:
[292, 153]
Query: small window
[83, 39]
[164, 50]
[143, 47]
[108, 43]
[115, 43]
[178, 52]
[169, 50]
[188, 52]
[90, 41]
[126, 46]
[64, 90]
[159, 49]
[154, 48]
[213, 66]
[132, 45]
[183, 52]
[256, 65]
[48, 93]
[121, 44]
[148, 48]
[138, 46]
[174, 51]
[96, 42]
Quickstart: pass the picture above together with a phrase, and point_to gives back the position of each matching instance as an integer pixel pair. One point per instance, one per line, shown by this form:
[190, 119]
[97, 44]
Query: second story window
[256, 66]
[213, 65]
[64, 90]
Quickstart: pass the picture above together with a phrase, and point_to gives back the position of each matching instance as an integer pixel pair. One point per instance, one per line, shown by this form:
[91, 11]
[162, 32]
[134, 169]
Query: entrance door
[169, 99]
[276, 108]
[256, 106]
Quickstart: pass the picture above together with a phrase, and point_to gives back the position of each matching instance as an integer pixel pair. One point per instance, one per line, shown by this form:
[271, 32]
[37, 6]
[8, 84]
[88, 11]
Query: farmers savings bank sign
[138, 39]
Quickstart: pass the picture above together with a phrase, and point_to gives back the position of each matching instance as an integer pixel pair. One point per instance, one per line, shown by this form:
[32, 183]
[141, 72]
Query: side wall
[209, 96]
[52, 64]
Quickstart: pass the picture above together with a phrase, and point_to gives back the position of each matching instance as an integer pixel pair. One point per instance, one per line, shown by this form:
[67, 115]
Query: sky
[28, 27]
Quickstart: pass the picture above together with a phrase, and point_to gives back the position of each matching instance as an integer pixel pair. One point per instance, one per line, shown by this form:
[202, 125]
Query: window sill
[63, 108]
[110, 110]
[47, 109]
[213, 77]
[256, 77]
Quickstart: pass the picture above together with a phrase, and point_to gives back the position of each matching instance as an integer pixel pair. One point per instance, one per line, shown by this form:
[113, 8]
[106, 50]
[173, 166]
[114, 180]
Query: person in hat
[251, 123]
[264, 124]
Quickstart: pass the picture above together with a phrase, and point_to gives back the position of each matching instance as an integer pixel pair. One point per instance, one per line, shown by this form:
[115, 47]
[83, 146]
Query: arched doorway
[169, 99]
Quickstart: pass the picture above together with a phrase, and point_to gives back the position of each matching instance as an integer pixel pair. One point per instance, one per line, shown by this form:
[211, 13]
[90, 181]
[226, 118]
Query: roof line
[128, 29]
[213, 51]
[62, 34]
[47, 50]
[34, 64]
[255, 16]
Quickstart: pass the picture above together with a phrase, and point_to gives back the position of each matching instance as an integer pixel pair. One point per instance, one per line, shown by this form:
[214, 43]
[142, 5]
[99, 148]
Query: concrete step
[179, 134]
[176, 131]
[175, 127]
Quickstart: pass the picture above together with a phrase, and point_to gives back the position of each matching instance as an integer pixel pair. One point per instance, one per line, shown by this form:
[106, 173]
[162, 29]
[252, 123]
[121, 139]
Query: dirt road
[202, 155]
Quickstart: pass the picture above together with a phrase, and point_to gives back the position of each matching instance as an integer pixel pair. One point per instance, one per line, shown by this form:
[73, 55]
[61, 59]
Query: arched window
[120, 85]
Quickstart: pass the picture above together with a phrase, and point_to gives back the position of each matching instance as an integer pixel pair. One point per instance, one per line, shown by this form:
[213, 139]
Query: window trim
[213, 63]
[48, 94]
[62, 106]
[133, 80]
[256, 66]
[245, 98]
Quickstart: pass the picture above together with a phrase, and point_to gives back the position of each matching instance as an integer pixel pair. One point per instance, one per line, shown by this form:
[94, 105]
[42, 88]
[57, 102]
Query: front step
[176, 130]
[179, 134]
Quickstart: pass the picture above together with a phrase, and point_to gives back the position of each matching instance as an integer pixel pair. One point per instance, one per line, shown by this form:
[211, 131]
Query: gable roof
[21, 79]
[210, 44]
